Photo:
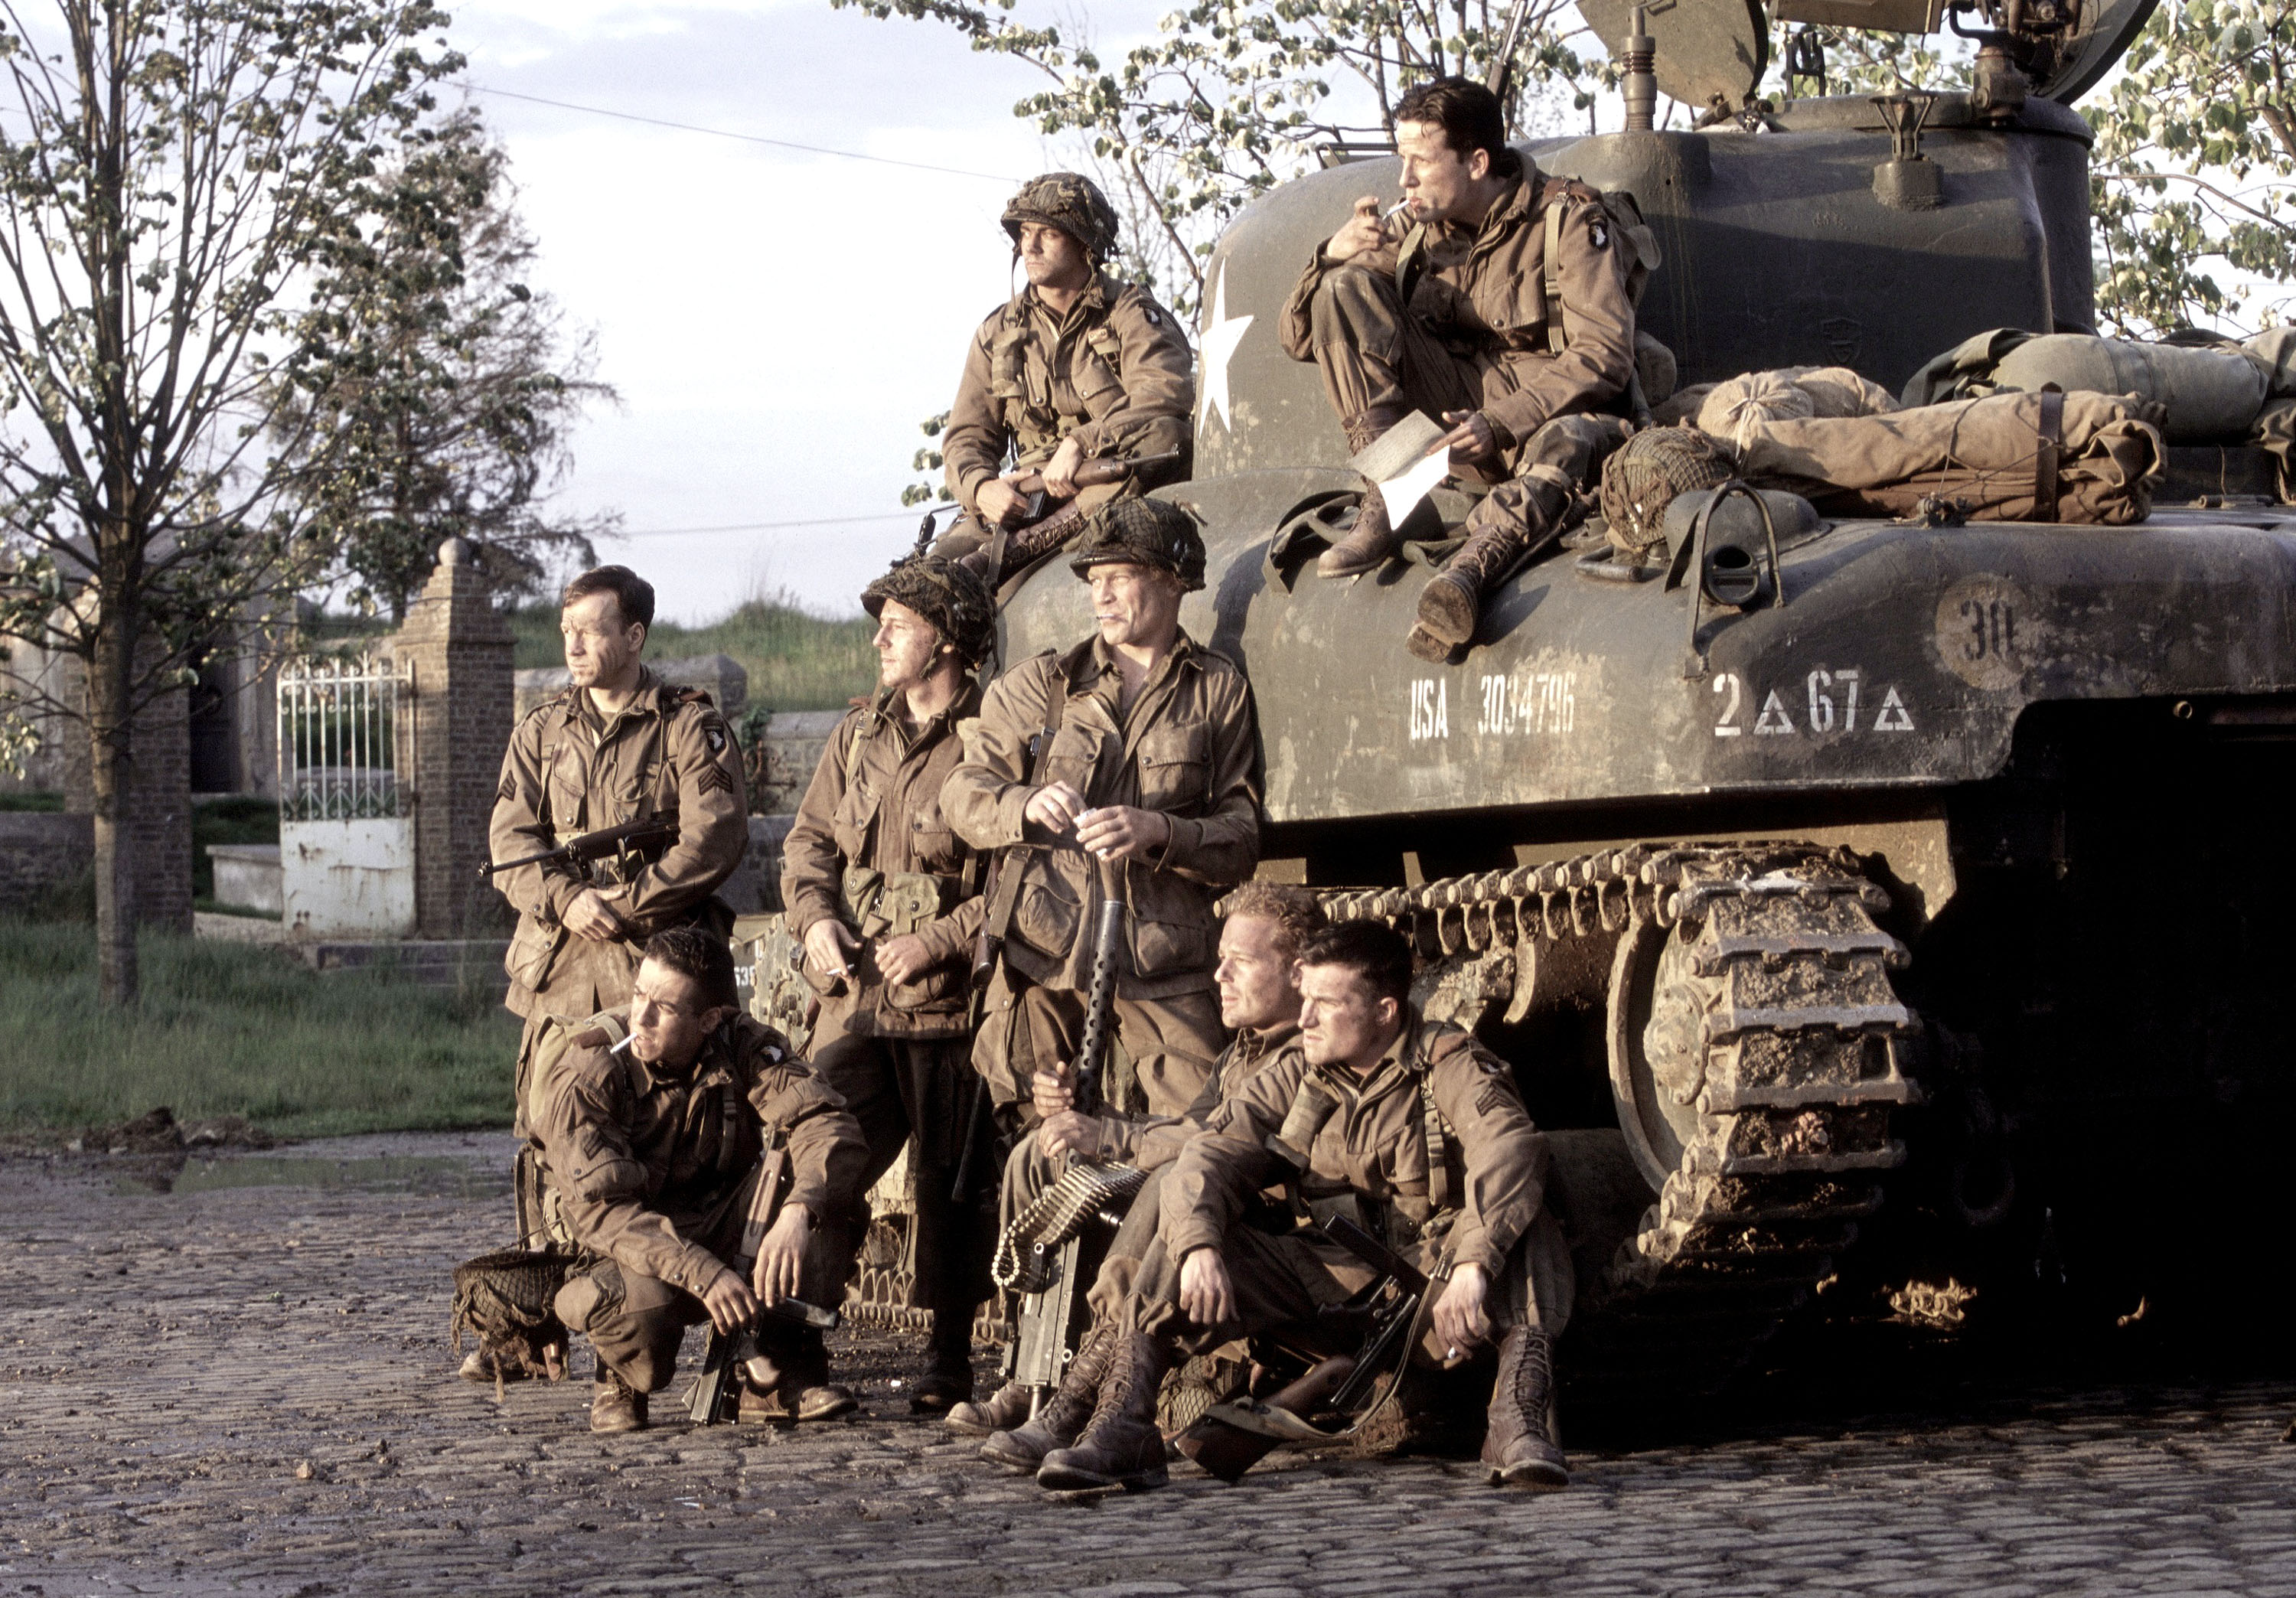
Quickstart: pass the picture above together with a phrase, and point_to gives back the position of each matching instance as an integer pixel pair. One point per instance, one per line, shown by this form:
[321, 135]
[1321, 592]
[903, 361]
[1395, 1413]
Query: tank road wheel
[1754, 1047]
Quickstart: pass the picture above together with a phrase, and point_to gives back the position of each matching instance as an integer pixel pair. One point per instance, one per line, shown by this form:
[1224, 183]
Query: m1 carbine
[1230, 1438]
[1048, 1313]
[631, 835]
[725, 1353]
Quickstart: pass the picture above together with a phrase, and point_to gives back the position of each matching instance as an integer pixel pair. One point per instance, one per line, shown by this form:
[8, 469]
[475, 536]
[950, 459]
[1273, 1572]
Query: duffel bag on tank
[2210, 392]
[2090, 459]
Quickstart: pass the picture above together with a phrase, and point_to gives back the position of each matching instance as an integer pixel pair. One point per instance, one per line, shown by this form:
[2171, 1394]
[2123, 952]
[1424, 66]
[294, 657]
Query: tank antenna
[1640, 84]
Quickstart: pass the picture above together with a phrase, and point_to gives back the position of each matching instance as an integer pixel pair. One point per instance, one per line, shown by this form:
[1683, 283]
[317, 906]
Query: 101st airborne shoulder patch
[714, 733]
[1600, 232]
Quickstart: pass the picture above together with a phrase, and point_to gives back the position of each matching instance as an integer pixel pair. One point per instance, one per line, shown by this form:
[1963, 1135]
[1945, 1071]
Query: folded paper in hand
[1405, 463]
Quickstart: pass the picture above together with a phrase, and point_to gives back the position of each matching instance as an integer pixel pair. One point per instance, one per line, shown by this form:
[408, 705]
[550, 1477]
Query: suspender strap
[2046, 450]
[1440, 1196]
[998, 919]
[1551, 272]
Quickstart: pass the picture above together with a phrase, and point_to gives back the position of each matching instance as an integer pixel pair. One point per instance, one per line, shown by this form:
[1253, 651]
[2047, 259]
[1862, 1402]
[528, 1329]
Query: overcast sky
[777, 322]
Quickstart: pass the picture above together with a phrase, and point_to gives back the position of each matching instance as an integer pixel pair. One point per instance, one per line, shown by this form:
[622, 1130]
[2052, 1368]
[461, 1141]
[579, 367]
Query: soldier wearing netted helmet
[1076, 373]
[885, 898]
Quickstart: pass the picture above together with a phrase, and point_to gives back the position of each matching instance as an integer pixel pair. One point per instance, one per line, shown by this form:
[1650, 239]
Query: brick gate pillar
[460, 649]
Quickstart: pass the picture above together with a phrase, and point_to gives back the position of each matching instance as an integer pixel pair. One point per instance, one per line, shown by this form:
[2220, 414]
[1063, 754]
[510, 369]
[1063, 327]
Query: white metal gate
[346, 823]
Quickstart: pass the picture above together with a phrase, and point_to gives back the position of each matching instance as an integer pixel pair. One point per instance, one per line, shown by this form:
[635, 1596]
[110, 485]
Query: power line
[775, 526]
[747, 138]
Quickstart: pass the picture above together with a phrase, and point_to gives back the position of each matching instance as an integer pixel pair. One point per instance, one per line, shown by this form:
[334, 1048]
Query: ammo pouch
[891, 903]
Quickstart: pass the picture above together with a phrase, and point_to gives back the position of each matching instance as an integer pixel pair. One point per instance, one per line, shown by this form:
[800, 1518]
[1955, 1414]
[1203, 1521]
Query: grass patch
[33, 799]
[227, 1030]
[796, 660]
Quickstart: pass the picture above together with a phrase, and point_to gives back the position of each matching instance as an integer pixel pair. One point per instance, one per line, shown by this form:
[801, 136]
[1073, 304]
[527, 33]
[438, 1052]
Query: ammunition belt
[1083, 1194]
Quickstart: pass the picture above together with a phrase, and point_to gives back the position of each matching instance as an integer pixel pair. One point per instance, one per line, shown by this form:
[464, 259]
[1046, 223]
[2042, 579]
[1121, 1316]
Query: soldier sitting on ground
[1077, 367]
[654, 1149]
[1450, 313]
[1411, 1127]
[1267, 925]
[886, 899]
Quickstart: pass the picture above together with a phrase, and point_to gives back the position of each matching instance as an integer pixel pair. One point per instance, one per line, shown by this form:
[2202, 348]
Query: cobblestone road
[247, 1388]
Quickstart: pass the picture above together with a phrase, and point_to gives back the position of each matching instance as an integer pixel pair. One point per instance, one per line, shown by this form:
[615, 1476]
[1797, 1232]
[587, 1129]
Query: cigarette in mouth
[1397, 209]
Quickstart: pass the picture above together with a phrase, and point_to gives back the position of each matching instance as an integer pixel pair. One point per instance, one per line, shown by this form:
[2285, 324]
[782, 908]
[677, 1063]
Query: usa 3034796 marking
[1841, 701]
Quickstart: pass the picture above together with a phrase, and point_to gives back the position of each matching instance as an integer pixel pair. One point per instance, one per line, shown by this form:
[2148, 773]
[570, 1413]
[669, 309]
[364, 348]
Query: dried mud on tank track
[244, 1385]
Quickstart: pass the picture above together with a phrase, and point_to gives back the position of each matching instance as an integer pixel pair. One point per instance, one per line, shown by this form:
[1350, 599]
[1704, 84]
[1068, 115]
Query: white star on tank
[1221, 335]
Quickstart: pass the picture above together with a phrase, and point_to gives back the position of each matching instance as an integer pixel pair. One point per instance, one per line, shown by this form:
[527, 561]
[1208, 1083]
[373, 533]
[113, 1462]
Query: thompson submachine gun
[1231, 1437]
[630, 835]
[1041, 1252]
[725, 1353]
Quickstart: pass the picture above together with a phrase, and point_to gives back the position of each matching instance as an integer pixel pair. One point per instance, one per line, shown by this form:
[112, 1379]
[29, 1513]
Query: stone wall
[41, 852]
[794, 740]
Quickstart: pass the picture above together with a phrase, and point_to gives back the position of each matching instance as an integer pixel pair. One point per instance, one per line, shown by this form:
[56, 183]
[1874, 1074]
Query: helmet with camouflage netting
[1141, 532]
[1069, 202]
[1646, 474]
[948, 594]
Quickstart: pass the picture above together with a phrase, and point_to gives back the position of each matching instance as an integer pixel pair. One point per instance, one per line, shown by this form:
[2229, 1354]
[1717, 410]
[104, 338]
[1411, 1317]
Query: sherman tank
[1899, 909]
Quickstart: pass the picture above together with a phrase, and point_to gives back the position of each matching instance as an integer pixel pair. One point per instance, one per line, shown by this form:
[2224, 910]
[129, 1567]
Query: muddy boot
[948, 1382]
[1518, 1437]
[1452, 602]
[615, 1405]
[1122, 1445]
[1055, 1425]
[1007, 1407]
[801, 1389]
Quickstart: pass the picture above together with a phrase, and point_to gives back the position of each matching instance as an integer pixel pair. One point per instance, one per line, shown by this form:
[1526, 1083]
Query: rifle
[1047, 1314]
[724, 1353]
[1036, 500]
[1230, 1438]
[643, 833]
[1503, 60]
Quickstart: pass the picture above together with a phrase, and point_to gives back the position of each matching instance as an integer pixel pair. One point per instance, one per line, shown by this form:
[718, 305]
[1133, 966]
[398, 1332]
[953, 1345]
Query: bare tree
[185, 188]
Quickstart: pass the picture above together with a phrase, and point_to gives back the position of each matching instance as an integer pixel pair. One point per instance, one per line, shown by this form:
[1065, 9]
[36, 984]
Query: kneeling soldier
[1413, 1127]
[886, 899]
[654, 1148]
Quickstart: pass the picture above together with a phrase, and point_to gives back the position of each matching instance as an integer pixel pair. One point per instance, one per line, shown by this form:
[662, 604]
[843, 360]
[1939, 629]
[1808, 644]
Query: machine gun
[1052, 1229]
[725, 1353]
[1230, 1438]
[643, 833]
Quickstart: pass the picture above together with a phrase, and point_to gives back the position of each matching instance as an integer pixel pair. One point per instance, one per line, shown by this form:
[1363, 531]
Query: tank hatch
[1709, 54]
[2063, 48]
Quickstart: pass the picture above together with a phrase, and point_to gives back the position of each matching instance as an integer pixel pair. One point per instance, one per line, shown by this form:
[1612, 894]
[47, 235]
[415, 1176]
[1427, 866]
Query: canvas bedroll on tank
[2086, 459]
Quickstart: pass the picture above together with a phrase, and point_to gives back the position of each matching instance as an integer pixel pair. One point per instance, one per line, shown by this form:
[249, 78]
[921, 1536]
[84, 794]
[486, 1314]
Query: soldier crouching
[1410, 1125]
[655, 1149]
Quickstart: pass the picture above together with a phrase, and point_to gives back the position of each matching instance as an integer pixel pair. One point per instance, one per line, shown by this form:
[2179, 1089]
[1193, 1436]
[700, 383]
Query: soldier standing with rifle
[1077, 380]
[885, 898]
[1406, 1128]
[1501, 303]
[619, 745]
[663, 1152]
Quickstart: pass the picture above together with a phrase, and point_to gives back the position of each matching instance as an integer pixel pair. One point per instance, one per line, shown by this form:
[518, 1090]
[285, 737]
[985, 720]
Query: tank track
[1773, 983]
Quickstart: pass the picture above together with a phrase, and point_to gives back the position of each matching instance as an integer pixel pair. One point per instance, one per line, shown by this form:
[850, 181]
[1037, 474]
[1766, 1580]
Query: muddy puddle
[419, 1176]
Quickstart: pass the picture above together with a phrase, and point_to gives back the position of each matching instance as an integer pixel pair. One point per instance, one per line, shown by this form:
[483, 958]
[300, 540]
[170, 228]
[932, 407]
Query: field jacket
[875, 804]
[1189, 747]
[644, 1159]
[569, 771]
[1482, 292]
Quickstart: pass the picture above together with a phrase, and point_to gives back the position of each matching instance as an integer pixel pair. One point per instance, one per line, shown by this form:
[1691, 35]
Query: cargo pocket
[1047, 916]
[533, 951]
[1170, 945]
[1175, 770]
[1074, 757]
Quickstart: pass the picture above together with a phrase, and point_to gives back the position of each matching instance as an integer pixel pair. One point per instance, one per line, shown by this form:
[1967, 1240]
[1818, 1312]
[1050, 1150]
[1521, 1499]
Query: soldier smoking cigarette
[1393, 211]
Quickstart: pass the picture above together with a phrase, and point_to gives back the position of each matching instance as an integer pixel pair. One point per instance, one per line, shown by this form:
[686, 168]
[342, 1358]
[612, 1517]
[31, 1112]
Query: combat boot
[1007, 1407]
[801, 1389]
[1373, 539]
[1063, 1415]
[1452, 602]
[1121, 1446]
[1519, 1438]
[615, 1405]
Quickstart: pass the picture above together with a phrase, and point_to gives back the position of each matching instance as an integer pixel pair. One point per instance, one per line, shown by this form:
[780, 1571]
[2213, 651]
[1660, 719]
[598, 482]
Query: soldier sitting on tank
[1410, 1126]
[1267, 925]
[653, 1149]
[885, 898]
[1077, 367]
[1450, 313]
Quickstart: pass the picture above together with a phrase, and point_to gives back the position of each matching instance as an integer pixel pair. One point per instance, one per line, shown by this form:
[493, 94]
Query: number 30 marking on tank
[1832, 701]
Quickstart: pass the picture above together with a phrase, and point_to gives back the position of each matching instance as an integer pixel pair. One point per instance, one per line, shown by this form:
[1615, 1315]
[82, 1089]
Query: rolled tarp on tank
[2210, 393]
